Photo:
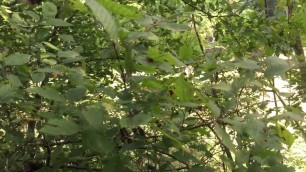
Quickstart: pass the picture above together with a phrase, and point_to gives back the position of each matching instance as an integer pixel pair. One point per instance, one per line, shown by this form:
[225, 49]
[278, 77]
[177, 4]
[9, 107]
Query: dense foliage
[151, 85]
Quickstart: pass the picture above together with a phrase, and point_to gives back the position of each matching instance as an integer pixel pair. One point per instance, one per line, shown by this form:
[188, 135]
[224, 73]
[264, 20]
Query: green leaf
[105, 18]
[37, 77]
[148, 35]
[174, 26]
[97, 142]
[6, 92]
[94, 117]
[74, 94]
[123, 10]
[49, 9]
[136, 120]
[17, 59]
[225, 138]
[288, 137]
[152, 83]
[222, 86]
[60, 127]
[185, 52]
[294, 116]
[69, 54]
[51, 46]
[276, 67]
[255, 129]
[14, 80]
[214, 108]
[56, 22]
[183, 89]
[247, 64]
[48, 92]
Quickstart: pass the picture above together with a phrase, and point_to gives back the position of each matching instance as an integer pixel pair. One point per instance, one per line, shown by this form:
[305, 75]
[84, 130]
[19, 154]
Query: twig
[197, 34]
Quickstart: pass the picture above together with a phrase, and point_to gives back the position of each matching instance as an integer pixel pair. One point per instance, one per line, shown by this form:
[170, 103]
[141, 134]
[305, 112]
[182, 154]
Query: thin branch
[122, 73]
[197, 34]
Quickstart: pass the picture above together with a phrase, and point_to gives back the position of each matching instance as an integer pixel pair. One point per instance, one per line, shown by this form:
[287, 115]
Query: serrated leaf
[185, 52]
[255, 129]
[60, 127]
[105, 18]
[174, 26]
[183, 89]
[49, 9]
[48, 92]
[120, 9]
[74, 94]
[17, 59]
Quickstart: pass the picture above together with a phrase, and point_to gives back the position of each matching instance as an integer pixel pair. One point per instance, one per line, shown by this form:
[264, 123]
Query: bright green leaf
[183, 89]
[186, 52]
[120, 9]
[105, 18]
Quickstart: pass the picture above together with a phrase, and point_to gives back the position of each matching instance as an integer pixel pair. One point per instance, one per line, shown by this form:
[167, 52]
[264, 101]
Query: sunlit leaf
[105, 18]
[276, 67]
[120, 9]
